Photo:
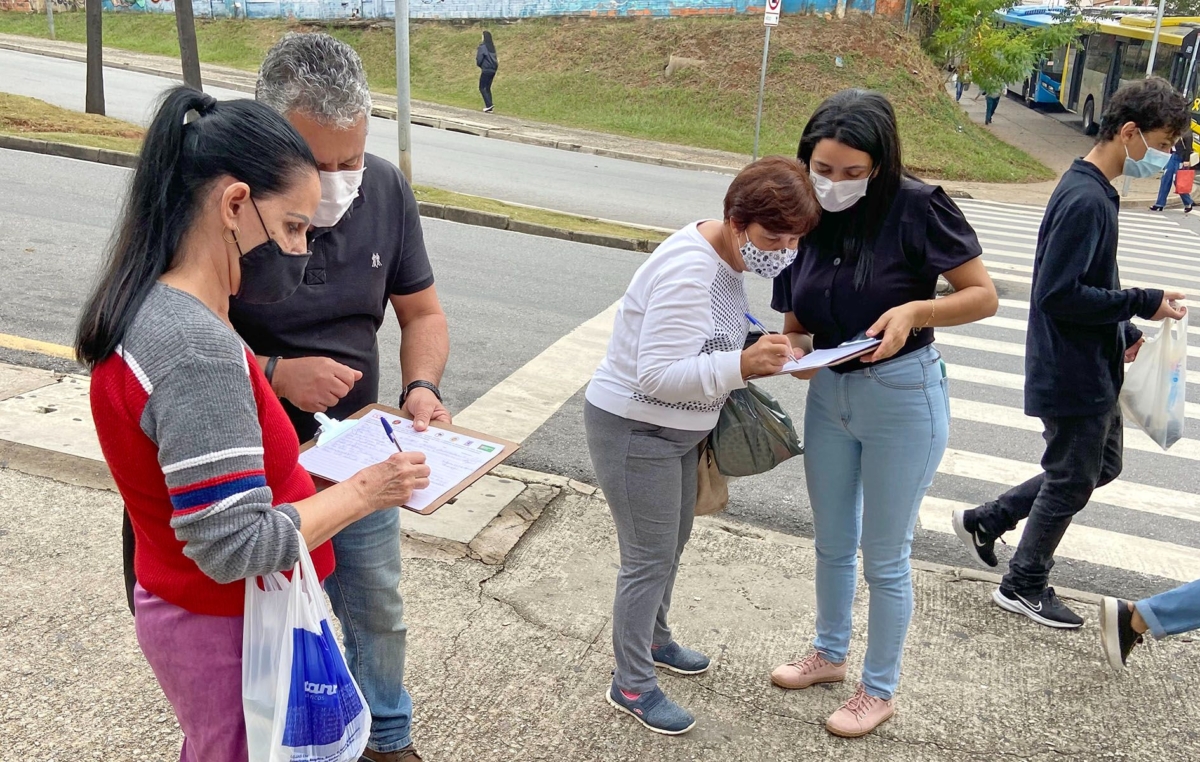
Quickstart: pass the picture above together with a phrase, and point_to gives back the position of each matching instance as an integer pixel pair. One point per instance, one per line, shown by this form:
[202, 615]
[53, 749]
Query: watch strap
[420, 385]
[269, 371]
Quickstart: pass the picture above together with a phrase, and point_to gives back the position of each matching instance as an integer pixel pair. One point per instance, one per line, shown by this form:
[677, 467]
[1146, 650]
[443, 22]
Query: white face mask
[338, 191]
[839, 196]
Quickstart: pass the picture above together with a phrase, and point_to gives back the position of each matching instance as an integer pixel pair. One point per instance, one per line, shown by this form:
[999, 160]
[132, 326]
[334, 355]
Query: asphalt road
[547, 177]
[510, 296]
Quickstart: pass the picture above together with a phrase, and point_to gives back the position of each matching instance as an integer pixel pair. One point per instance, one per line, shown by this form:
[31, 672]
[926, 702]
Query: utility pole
[1154, 44]
[770, 19]
[189, 54]
[50, 17]
[94, 98]
[403, 109]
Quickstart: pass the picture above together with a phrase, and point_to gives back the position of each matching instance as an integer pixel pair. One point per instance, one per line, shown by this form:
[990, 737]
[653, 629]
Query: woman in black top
[485, 59]
[875, 428]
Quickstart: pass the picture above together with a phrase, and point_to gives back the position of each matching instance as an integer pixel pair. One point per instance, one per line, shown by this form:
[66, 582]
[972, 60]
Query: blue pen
[387, 428]
[754, 322]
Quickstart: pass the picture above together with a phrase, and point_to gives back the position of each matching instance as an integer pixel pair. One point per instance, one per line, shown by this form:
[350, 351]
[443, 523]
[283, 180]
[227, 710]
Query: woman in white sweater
[675, 355]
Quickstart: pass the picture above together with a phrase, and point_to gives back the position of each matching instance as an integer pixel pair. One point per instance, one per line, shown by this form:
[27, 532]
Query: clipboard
[826, 358]
[507, 450]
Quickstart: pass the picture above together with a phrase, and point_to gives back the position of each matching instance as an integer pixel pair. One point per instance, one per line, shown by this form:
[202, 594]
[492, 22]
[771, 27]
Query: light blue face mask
[1149, 165]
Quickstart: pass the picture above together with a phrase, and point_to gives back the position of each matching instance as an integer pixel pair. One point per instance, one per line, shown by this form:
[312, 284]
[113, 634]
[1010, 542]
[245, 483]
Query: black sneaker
[1117, 636]
[980, 546]
[1156, 208]
[1044, 608]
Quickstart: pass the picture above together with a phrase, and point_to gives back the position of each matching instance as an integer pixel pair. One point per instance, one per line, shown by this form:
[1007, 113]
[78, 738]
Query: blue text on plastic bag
[322, 700]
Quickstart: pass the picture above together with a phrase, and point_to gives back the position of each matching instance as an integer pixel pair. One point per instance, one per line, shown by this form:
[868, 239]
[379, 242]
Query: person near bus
[678, 350]
[992, 100]
[875, 428]
[1181, 158]
[1079, 337]
[199, 446]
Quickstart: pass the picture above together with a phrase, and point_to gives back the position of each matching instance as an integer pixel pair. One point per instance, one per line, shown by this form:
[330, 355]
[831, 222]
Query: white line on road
[1084, 543]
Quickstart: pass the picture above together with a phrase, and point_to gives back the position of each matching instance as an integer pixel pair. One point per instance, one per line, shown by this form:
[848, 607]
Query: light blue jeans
[1173, 612]
[873, 440]
[365, 592]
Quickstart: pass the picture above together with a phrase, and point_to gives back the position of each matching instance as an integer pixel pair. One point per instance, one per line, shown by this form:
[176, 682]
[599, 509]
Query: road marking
[1015, 418]
[22, 344]
[519, 405]
[1084, 543]
[1027, 279]
[1190, 278]
[1123, 258]
[972, 375]
[1143, 498]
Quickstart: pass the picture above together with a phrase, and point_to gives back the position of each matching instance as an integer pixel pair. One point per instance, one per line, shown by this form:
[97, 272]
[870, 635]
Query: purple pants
[198, 662]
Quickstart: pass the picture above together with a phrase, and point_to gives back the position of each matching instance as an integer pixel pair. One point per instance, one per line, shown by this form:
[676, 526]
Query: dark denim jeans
[1082, 453]
[485, 86]
[992, 104]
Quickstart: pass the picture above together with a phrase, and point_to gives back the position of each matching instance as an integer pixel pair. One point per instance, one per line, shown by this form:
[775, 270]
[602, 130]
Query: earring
[233, 232]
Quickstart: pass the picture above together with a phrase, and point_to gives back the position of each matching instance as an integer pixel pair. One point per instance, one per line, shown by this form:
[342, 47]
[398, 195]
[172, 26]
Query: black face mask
[269, 274]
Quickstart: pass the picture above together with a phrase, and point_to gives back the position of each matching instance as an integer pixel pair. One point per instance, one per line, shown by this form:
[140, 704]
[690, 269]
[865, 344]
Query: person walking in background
[677, 351]
[992, 100]
[1181, 158]
[488, 63]
[875, 428]
[1079, 338]
[199, 446]
[1123, 623]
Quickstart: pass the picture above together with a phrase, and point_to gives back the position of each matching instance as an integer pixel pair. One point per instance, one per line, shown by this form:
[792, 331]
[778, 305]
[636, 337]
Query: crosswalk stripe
[1014, 418]
[1194, 279]
[1084, 543]
[1001, 322]
[1143, 498]
[1027, 270]
[1016, 381]
[1012, 349]
[1128, 232]
[1123, 258]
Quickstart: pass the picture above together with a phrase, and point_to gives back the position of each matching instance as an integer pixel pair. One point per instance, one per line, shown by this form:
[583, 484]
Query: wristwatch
[420, 385]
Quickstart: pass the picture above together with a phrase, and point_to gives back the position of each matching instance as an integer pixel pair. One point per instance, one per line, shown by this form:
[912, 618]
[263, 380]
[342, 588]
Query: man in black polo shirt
[1079, 337]
[319, 348]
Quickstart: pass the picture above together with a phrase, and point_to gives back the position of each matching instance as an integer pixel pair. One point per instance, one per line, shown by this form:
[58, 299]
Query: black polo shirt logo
[375, 262]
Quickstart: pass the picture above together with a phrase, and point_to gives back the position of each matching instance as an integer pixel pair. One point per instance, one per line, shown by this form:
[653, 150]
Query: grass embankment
[32, 118]
[607, 75]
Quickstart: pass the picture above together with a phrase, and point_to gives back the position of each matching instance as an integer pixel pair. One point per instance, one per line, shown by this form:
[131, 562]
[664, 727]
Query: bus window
[1100, 51]
[1133, 66]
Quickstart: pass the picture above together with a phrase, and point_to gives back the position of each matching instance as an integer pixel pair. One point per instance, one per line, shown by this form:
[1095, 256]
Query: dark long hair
[487, 41]
[863, 120]
[179, 161]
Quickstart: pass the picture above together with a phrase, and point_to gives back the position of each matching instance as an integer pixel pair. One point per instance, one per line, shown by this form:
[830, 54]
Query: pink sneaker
[810, 670]
[860, 715]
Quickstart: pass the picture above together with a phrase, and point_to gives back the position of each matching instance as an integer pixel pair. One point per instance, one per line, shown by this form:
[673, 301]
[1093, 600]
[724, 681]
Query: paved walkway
[510, 650]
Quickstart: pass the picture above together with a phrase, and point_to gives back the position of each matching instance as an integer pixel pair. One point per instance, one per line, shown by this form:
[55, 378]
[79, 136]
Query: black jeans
[485, 86]
[1082, 453]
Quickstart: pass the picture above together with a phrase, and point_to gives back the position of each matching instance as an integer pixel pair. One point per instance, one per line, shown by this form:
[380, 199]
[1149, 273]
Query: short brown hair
[776, 193]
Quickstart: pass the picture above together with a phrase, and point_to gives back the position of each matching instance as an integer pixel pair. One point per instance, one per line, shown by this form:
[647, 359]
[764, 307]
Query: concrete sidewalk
[510, 641]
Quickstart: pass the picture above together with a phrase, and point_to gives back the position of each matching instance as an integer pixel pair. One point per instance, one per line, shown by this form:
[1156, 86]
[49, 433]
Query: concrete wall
[476, 9]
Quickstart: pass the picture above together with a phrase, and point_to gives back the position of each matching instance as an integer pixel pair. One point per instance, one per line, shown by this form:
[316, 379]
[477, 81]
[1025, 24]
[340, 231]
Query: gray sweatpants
[648, 474]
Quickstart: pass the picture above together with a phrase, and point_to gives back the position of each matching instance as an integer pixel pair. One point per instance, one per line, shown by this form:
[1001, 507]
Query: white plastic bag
[300, 700]
[1156, 383]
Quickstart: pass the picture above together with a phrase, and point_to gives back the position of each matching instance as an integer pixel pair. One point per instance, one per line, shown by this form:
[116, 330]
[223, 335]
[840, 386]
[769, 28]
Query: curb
[423, 120]
[446, 212]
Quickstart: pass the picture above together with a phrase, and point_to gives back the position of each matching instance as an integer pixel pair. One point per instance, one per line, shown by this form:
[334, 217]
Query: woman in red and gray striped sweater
[199, 446]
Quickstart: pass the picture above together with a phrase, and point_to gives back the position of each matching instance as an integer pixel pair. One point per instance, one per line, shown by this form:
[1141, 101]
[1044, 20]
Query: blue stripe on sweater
[202, 496]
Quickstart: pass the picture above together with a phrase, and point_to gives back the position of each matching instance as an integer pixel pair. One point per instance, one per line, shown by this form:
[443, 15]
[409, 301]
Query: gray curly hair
[316, 75]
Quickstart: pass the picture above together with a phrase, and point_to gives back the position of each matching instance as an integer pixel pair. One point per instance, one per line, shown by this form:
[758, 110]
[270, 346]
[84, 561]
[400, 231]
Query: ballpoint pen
[754, 322]
[387, 427]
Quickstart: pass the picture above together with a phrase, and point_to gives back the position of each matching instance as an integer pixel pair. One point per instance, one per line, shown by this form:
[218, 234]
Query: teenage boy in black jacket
[1079, 334]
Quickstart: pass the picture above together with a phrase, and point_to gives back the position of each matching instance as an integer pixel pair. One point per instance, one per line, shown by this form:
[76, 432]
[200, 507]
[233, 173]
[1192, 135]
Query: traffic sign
[771, 14]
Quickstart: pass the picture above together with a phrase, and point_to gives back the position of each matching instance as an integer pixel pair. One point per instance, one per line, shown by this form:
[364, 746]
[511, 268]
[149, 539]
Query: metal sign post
[770, 19]
[1154, 44]
[50, 17]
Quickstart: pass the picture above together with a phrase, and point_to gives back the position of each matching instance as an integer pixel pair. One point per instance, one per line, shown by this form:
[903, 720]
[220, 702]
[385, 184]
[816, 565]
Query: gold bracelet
[932, 312]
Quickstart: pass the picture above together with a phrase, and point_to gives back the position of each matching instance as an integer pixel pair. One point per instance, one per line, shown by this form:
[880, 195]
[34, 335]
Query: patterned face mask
[768, 264]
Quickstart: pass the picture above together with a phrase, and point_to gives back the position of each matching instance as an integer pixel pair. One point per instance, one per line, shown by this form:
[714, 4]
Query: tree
[94, 94]
[967, 35]
[189, 56]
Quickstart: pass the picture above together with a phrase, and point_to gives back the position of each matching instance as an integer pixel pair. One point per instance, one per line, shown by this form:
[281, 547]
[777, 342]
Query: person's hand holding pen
[392, 482]
[768, 355]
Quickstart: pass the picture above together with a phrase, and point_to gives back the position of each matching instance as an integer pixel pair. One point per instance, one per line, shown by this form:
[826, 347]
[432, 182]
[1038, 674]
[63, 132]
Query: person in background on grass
[992, 100]
[875, 428]
[319, 347]
[1079, 337]
[198, 445]
[1181, 158]
[488, 63]
[1123, 623]
[677, 351]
